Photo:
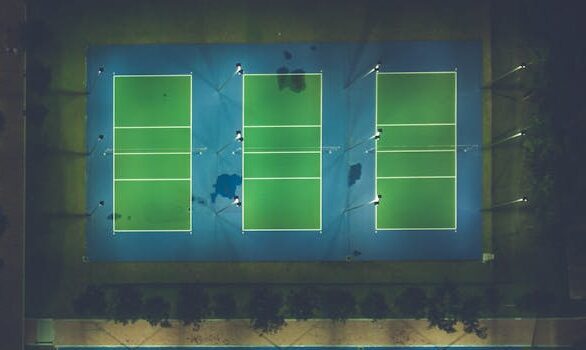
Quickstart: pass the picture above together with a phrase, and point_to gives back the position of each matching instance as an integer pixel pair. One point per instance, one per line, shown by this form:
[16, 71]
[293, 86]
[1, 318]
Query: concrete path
[521, 332]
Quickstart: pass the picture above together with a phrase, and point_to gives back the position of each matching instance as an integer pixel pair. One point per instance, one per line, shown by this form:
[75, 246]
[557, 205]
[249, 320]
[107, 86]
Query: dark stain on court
[225, 186]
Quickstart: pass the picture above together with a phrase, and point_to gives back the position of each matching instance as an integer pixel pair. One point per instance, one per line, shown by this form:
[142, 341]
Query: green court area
[416, 153]
[281, 161]
[152, 153]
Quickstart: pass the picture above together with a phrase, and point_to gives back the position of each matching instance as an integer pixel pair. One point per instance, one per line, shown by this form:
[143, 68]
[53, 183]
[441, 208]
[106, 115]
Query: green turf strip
[415, 98]
[282, 204]
[282, 99]
[152, 101]
[152, 140]
[152, 205]
[417, 137]
[282, 139]
[282, 165]
[415, 164]
[416, 203]
[153, 166]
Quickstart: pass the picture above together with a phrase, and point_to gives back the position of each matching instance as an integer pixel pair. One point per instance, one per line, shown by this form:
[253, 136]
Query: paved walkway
[522, 332]
[12, 174]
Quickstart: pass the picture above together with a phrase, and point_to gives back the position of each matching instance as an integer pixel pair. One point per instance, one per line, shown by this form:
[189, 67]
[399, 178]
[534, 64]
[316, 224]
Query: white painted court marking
[455, 125]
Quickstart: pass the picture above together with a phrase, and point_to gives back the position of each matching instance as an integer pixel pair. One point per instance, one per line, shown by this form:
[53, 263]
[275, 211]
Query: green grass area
[152, 153]
[416, 154]
[282, 152]
[56, 186]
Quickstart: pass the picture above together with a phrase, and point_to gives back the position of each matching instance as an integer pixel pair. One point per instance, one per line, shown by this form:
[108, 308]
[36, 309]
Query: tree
[443, 307]
[91, 302]
[337, 304]
[374, 306]
[265, 310]
[468, 315]
[411, 302]
[224, 305]
[303, 303]
[193, 305]
[127, 304]
[156, 311]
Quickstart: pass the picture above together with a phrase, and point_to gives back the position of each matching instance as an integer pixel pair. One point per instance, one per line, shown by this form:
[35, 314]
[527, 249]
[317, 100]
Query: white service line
[284, 126]
[415, 177]
[168, 179]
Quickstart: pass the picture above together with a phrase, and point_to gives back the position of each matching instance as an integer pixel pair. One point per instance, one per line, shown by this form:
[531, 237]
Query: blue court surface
[315, 133]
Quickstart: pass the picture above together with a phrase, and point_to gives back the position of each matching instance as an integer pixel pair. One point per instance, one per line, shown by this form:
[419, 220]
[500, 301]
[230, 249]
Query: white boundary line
[321, 130]
[242, 155]
[150, 75]
[455, 150]
[274, 74]
[421, 124]
[376, 149]
[146, 153]
[283, 178]
[280, 152]
[151, 230]
[114, 150]
[416, 151]
[418, 228]
[155, 179]
[283, 126]
[415, 177]
[437, 72]
[114, 127]
[190, 155]
[154, 127]
[277, 152]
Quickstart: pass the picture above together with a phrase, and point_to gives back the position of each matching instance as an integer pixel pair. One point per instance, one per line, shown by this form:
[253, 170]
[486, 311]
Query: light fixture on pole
[99, 139]
[374, 202]
[99, 205]
[520, 67]
[235, 202]
[375, 137]
[523, 200]
[238, 138]
[514, 136]
[100, 72]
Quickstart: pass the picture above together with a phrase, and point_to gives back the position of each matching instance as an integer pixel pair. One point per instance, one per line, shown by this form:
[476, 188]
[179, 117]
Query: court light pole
[238, 138]
[239, 71]
[520, 67]
[375, 136]
[374, 202]
[375, 69]
[523, 200]
[99, 140]
[100, 72]
[235, 202]
[514, 136]
[99, 205]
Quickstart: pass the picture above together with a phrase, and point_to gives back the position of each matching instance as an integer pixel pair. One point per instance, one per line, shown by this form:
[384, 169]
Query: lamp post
[99, 140]
[523, 199]
[521, 66]
[235, 202]
[375, 202]
[99, 205]
[514, 136]
[239, 71]
[100, 71]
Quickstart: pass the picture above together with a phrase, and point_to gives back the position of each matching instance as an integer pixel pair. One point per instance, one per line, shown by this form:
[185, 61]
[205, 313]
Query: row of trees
[444, 306]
